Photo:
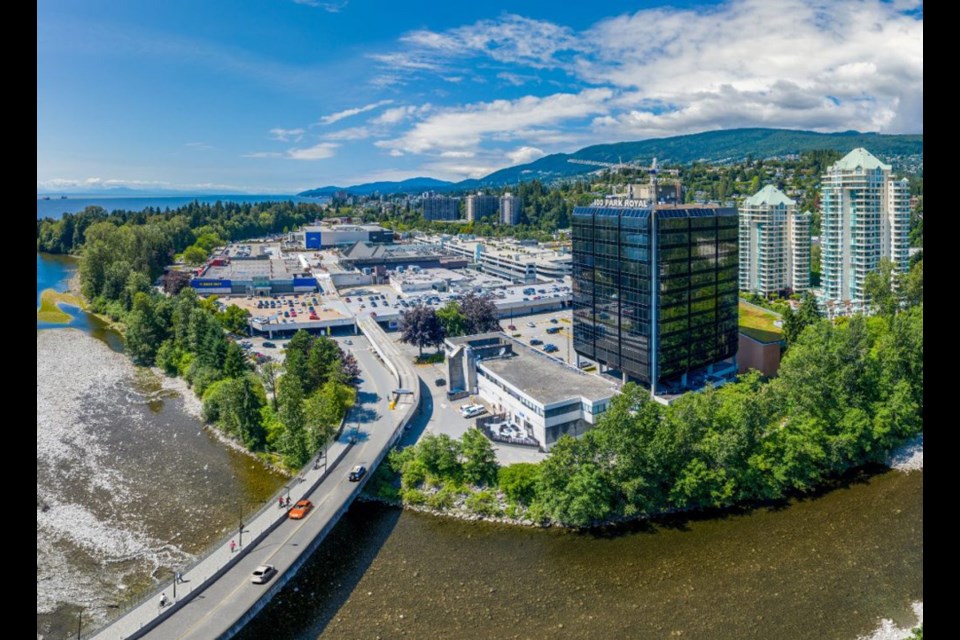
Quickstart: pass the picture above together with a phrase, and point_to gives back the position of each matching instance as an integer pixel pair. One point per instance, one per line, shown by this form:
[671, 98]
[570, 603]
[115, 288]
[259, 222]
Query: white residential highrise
[865, 216]
[774, 244]
[510, 206]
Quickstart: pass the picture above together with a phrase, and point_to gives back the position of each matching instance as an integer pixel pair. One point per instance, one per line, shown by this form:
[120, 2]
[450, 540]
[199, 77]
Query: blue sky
[283, 95]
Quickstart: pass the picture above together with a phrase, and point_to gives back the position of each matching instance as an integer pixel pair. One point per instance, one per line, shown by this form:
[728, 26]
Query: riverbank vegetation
[848, 392]
[286, 414]
[50, 310]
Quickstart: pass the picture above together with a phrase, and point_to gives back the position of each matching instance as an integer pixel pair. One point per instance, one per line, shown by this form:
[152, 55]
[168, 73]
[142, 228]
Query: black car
[357, 472]
[269, 345]
[536, 341]
[439, 382]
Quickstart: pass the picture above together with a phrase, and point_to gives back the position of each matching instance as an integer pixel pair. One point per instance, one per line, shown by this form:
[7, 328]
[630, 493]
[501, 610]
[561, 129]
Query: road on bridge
[216, 610]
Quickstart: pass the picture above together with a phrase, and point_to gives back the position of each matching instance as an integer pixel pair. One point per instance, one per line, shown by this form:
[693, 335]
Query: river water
[129, 488]
[826, 567]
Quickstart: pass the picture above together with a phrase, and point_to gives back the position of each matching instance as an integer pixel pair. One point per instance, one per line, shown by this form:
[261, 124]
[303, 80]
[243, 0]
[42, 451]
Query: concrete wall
[762, 356]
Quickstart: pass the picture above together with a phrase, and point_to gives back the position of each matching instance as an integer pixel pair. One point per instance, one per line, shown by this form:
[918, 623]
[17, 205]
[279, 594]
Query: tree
[194, 255]
[235, 362]
[794, 322]
[270, 374]
[174, 281]
[145, 331]
[480, 313]
[294, 443]
[879, 288]
[440, 456]
[421, 327]
[911, 285]
[234, 319]
[479, 460]
[518, 482]
[453, 321]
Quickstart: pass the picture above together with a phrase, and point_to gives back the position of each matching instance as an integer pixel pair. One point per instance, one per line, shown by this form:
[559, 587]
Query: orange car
[301, 509]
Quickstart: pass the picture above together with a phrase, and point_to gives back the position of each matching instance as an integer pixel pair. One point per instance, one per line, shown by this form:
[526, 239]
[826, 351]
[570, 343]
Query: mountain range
[730, 145]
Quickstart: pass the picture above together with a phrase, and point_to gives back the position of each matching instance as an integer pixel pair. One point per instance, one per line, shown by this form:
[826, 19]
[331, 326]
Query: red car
[300, 510]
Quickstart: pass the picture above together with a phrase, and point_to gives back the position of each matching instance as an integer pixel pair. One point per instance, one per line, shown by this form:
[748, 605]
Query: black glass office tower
[656, 324]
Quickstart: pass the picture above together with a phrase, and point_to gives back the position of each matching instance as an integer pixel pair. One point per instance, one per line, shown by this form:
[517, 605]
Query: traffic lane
[234, 592]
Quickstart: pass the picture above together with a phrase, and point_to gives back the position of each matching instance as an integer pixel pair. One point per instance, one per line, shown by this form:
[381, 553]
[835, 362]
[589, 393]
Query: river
[129, 488]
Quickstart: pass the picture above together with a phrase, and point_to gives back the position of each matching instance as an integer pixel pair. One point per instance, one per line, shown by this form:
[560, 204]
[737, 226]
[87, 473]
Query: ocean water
[55, 207]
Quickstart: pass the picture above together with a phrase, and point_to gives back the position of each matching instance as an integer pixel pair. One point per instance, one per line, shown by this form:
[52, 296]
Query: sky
[279, 96]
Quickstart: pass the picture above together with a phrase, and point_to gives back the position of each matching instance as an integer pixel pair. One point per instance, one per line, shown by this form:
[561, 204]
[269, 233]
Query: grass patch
[758, 324]
[430, 358]
[50, 301]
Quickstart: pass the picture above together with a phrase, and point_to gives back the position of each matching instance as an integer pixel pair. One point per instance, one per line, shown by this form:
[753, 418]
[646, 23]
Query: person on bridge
[233, 546]
[163, 600]
[280, 502]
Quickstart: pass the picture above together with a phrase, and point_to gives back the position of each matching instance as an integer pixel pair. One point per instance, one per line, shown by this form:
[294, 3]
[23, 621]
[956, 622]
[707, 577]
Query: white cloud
[466, 127]
[458, 170]
[396, 153]
[523, 155]
[287, 135]
[516, 79]
[199, 146]
[319, 151]
[346, 113]
[399, 114]
[330, 7]
[262, 154]
[512, 38]
[353, 133]
[829, 65]
[457, 154]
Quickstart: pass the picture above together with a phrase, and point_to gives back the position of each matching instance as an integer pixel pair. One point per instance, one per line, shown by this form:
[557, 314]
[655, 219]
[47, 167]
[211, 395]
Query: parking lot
[560, 322]
[445, 415]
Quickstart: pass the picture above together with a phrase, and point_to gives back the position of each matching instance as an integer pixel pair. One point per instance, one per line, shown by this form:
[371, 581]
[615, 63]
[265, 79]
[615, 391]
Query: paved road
[223, 602]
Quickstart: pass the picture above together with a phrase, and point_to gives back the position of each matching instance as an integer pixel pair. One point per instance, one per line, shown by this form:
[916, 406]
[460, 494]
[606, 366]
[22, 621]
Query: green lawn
[758, 324]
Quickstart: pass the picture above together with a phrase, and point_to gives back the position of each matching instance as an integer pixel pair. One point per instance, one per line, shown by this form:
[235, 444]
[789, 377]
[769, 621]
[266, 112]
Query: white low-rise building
[541, 396]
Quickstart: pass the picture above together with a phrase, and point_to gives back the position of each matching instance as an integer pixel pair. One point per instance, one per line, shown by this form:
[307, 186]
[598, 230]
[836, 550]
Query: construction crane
[653, 170]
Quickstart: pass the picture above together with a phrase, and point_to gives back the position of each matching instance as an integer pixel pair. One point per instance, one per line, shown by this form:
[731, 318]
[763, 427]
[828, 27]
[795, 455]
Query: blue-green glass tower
[655, 288]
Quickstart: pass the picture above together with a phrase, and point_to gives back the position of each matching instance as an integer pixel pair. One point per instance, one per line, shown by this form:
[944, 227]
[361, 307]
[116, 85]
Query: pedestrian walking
[233, 546]
[288, 501]
[163, 600]
[280, 502]
[179, 578]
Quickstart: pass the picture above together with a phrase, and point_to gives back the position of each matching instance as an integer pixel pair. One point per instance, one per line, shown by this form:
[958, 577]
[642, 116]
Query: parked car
[263, 573]
[554, 320]
[512, 327]
[348, 341]
[472, 410]
[439, 382]
[550, 348]
[536, 341]
[531, 324]
[269, 345]
[300, 510]
[357, 472]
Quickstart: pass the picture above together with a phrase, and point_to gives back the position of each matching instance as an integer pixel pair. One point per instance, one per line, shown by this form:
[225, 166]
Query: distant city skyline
[222, 97]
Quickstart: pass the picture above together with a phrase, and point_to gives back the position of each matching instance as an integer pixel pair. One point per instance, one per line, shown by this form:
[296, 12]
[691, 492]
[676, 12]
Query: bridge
[216, 598]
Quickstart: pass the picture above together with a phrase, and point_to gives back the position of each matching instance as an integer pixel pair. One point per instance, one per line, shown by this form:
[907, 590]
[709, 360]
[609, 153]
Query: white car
[531, 324]
[472, 410]
[263, 573]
